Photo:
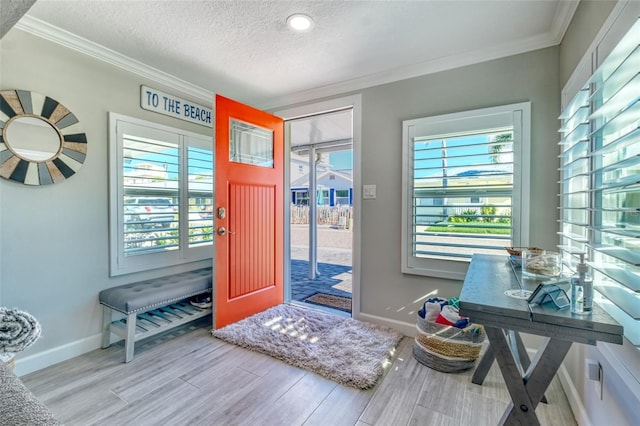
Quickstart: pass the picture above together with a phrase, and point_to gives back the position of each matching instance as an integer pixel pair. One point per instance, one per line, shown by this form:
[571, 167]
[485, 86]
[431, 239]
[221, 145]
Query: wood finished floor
[187, 377]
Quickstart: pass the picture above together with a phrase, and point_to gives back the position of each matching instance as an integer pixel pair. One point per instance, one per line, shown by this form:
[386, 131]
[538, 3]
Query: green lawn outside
[470, 228]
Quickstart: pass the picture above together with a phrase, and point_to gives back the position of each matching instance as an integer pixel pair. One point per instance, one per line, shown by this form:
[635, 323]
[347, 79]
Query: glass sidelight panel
[249, 144]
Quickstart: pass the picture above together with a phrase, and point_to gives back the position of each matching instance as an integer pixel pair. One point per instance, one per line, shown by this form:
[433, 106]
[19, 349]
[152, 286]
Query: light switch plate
[369, 192]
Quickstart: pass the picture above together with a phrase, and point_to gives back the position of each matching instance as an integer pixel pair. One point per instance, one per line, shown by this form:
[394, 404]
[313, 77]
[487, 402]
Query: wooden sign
[163, 103]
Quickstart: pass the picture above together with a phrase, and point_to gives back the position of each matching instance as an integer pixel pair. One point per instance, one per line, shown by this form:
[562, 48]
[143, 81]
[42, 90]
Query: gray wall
[54, 239]
[586, 22]
[385, 291]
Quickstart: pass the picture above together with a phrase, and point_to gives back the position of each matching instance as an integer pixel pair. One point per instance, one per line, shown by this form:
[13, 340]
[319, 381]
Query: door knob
[222, 231]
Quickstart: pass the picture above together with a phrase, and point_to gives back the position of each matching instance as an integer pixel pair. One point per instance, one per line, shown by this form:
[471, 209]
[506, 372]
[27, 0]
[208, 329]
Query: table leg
[545, 366]
[483, 366]
[524, 357]
[526, 392]
[485, 363]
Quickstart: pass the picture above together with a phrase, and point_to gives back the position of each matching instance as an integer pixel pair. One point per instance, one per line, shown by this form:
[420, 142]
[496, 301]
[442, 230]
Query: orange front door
[249, 211]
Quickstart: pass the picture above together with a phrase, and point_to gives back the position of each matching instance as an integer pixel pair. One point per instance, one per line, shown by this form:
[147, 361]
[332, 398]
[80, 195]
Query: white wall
[54, 239]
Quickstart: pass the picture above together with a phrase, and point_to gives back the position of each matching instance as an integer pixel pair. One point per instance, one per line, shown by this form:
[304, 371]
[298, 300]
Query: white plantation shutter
[200, 187]
[161, 191]
[151, 202]
[453, 196]
[464, 187]
[600, 181]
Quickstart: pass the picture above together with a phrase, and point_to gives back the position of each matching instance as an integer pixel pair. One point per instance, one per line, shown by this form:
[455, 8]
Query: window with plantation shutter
[464, 187]
[200, 190]
[600, 181]
[161, 192]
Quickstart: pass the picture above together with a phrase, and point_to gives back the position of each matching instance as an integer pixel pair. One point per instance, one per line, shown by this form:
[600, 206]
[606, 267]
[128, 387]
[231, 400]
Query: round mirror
[41, 141]
[32, 138]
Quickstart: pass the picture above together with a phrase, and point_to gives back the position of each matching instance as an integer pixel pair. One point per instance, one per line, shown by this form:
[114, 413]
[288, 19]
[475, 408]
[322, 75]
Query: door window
[250, 144]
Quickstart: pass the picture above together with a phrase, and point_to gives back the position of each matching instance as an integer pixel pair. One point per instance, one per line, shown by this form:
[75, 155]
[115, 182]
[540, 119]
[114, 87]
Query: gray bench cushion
[145, 295]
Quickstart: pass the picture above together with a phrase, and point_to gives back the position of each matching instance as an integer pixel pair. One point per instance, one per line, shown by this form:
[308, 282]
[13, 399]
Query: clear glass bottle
[582, 289]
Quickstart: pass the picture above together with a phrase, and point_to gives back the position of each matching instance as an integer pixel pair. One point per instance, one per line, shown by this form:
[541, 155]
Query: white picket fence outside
[339, 216]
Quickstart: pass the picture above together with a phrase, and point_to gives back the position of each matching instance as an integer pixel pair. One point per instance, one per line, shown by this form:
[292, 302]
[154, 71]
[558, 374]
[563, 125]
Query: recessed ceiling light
[300, 22]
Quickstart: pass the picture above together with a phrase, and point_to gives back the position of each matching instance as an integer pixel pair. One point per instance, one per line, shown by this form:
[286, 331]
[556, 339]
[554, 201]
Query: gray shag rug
[347, 351]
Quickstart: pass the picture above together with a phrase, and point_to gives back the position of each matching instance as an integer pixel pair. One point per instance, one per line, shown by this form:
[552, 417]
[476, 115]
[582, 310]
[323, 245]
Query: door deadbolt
[222, 213]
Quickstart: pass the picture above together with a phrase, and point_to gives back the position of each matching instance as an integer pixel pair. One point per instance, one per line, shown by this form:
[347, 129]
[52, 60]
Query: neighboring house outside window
[322, 197]
[300, 197]
[334, 188]
[464, 180]
[342, 197]
[161, 192]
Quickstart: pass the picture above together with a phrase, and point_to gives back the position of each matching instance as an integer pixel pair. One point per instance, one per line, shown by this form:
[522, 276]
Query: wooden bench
[152, 306]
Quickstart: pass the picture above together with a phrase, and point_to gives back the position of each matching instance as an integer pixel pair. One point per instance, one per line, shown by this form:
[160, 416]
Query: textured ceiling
[11, 11]
[243, 49]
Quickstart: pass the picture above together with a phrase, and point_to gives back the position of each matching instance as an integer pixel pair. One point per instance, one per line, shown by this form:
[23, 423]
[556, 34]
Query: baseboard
[41, 360]
[58, 354]
[405, 328]
[575, 402]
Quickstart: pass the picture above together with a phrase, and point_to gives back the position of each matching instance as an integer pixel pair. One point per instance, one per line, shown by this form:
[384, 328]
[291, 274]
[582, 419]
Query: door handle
[222, 231]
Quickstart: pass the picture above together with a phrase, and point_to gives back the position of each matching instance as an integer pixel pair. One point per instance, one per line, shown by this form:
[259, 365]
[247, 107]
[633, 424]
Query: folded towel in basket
[18, 330]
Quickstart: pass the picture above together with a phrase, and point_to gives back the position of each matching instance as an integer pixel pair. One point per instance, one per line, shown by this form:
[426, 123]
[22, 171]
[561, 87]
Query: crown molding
[562, 18]
[64, 38]
[509, 48]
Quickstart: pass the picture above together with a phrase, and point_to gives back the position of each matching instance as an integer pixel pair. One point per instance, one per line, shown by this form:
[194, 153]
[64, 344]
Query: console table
[484, 301]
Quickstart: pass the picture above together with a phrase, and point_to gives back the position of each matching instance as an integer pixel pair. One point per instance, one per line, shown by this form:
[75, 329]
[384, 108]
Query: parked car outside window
[148, 212]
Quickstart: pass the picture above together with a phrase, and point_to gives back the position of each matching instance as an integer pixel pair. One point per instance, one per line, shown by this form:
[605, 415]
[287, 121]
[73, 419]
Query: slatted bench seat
[152, 306]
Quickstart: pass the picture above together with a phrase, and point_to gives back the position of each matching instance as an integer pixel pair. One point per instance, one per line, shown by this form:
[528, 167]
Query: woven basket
[445, 348]
[517, 251]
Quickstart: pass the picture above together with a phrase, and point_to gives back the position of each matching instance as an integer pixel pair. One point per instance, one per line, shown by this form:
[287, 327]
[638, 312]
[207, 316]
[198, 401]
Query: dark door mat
[330, 300]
